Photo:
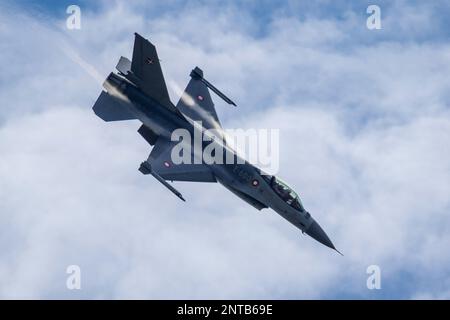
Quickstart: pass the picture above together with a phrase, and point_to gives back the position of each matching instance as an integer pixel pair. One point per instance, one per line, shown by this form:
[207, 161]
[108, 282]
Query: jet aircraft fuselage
[139, 92]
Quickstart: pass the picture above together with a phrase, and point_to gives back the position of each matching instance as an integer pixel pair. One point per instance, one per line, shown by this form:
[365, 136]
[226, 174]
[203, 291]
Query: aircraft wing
[196, 102]
[160, 162]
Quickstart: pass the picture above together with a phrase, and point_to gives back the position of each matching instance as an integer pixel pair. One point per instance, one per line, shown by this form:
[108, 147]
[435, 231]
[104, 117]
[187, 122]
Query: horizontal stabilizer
[110, 108]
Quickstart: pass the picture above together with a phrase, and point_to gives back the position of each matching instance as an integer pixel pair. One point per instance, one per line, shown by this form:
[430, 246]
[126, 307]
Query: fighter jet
[138, 91]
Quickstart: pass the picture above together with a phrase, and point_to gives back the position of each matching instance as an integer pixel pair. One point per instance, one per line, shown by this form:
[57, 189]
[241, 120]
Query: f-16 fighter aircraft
[138, 91]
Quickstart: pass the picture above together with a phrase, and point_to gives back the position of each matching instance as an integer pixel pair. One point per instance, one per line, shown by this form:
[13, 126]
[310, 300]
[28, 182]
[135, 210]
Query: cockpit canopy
[285, 192]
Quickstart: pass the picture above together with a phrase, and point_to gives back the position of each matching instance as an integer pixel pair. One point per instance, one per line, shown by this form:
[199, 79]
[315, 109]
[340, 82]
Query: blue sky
[364, 124]
[264, 11]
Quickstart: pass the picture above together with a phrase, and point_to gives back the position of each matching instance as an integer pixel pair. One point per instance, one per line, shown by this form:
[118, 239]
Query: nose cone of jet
[317, 233]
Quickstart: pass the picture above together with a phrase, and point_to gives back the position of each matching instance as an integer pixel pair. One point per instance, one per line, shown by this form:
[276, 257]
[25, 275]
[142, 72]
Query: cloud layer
[364, 125]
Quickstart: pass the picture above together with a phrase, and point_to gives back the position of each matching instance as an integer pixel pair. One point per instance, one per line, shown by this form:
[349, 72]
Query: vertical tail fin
[146, 66]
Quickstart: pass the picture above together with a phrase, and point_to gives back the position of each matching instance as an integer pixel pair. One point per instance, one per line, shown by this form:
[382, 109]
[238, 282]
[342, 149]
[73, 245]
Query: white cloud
[364, 134]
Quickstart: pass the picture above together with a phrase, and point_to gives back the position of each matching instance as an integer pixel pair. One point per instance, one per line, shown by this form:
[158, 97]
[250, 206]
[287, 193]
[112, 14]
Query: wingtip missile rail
[146, 168]
[197, 73]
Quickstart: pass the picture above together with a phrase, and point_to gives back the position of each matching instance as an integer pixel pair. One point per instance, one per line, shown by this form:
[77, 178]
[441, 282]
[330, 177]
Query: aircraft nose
[317, 233]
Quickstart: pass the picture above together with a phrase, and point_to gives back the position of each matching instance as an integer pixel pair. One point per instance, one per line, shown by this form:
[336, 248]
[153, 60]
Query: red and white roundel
[200, 98]
[166, 164]
[255, 183]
